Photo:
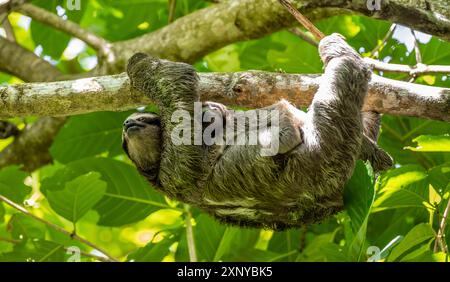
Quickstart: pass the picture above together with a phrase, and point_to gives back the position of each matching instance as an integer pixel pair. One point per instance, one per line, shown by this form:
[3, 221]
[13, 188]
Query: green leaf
[78, 197]
[401, 188]
[89, 135]
[209, 235]
[107, 18]
[285, 242]
[152, 252]
[398, 132]
[419, 234]
[23, 227]
[36, 251]
[129, 197]
[289, 60]
[255, 255]
[2, 213]
[12, 184]
[322, 249]
[358, 199]
[54, 41]
[239, 243]
[422, 254]
[439, 177]
[225, 243]
[431, 143]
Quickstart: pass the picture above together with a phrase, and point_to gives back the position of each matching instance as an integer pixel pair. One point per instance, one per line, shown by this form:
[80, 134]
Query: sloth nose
[131, 123]
[127, 122]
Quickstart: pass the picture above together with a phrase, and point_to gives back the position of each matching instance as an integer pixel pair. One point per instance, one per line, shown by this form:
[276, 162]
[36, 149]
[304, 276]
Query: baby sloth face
[141, 140]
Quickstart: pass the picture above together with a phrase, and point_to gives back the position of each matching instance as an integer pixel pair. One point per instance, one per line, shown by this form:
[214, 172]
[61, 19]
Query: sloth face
[141, 140]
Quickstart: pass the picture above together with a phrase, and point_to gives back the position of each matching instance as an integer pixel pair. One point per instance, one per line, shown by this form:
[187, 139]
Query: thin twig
[375, 53]
[302, 19]
[416, 47]
[303, 36]
[411, 70]
[190, 235]
[440, 237]
[172, 9]
[12, 241]
[417, 53]
[71, 28]
[55, 227]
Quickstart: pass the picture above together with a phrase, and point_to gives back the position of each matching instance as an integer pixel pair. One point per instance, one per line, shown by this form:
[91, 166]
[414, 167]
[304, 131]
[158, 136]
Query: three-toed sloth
[300, 184]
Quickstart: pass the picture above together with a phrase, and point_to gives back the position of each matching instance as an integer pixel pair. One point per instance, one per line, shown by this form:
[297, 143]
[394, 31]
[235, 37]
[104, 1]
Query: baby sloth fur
[301, 184]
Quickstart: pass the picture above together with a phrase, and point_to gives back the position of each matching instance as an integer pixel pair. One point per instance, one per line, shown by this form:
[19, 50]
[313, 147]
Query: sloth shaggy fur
[300, 185]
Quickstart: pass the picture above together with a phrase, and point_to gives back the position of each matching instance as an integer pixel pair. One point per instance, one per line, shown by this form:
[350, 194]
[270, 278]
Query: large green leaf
[239, 243]
[209, 235]
[89, 135]
[439, 177]
[78, 196]
[152, 252]
[322, 249]
[288, 60]
[431, 143]
[418, 235]
[128, 198]
[402, 188]
[285, 242]
[358, 199]
[36, 251]
[23, 227]
[216, 242]
[12, 184]
[398, 132]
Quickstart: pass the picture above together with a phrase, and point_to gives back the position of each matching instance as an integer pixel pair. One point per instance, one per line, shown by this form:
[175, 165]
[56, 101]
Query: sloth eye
[151, 121]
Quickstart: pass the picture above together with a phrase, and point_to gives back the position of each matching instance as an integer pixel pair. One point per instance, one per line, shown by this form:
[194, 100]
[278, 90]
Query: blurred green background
[391, 217]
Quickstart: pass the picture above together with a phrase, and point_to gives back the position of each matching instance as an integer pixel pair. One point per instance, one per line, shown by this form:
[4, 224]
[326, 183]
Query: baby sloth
[300, 184]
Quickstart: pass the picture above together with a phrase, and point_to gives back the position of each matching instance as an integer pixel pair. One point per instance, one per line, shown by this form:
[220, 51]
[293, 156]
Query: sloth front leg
[334, 128]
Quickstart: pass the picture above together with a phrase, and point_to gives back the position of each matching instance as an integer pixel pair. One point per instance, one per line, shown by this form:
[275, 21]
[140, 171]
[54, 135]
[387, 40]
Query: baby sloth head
[141, 140]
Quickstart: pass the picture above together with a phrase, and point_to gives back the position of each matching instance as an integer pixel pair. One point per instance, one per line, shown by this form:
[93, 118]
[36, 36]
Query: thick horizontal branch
[248, 89]
[24, 64]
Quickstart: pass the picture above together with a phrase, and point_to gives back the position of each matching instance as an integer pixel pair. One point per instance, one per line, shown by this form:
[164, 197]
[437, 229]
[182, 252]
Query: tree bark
[248, 89]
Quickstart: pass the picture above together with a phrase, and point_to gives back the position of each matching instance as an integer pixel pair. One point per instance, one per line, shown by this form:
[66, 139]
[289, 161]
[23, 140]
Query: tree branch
[197, 34]
[8, 30]
[30, 147]
[193, 36]
[71, 28]
[250, 89]
[19, 61]
[411, 70]
[440, 237]
[383, 42]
